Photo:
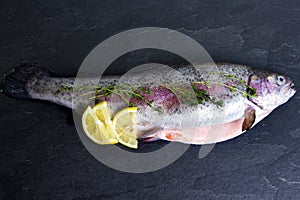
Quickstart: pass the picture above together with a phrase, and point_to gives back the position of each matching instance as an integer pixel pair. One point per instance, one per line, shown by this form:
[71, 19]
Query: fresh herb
[131, 104]
[218, 103]
[201, 94]
[159, 109]
[184, 92]
[125, 92]
[145, 90]
[251, 92]
[247, 91]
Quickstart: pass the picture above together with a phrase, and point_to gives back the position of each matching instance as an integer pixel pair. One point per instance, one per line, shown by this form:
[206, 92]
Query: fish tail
[31, 81]
[14, 82]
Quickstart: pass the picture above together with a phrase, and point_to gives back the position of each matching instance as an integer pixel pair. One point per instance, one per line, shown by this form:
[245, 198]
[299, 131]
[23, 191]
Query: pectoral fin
[149, 135]
[150, 139]
[249, 119]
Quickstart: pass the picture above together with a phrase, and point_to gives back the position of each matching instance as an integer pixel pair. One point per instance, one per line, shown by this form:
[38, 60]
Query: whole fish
[205, 104]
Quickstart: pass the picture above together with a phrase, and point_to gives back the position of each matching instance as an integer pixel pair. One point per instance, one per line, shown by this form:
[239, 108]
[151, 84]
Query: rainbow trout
[195, 105]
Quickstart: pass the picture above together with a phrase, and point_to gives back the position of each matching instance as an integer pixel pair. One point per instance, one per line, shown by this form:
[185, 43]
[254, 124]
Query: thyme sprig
[128, 91]
[125, 92]
[248, 90]
[202, 96]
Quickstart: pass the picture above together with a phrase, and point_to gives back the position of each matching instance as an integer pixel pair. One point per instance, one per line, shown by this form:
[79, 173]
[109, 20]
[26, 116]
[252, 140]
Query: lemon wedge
[97, 126]
[123, 123]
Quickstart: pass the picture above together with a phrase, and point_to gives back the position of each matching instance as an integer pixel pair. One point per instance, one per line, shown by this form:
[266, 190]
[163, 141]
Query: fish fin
[13, 83]
[150, 139]
[249, 119]
[149, 135]
[158, 134]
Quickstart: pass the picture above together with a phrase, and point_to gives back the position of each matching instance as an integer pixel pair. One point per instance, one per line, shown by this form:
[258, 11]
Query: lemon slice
[96, 130]
[102, 112]
[123, 123]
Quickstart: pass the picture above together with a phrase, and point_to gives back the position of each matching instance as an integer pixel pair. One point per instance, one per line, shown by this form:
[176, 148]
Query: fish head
[272, 90]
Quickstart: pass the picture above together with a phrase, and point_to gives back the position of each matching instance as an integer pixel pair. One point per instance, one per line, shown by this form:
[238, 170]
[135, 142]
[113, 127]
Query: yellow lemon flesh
[97, 125]
[103, 114]
[123, 123]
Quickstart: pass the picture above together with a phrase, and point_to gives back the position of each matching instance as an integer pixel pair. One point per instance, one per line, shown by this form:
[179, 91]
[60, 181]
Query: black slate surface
[42, 156]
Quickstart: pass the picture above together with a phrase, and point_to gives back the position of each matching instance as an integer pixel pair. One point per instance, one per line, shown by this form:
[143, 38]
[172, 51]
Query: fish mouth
[289, 89]
[292, 86]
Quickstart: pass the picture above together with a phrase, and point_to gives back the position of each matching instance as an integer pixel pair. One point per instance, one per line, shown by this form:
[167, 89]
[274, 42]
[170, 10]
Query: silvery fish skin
[170, 108]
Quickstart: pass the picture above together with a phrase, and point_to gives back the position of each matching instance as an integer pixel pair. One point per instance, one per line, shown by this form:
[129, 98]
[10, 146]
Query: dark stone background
[42, 156]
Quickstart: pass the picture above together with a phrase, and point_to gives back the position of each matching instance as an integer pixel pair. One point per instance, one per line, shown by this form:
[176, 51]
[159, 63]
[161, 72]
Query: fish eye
[280, 80]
